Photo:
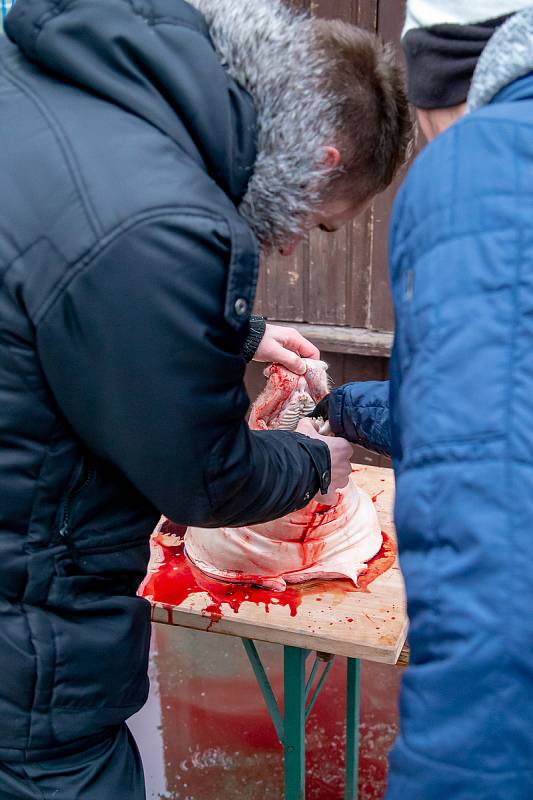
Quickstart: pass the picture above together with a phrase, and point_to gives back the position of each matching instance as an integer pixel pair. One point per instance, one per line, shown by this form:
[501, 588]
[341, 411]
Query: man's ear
[332, 157]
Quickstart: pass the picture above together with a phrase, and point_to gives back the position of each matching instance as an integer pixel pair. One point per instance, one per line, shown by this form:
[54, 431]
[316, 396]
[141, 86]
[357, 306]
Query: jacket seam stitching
[510, 612]
[87, 259]
[62, 5]
[463, 440]
[444, 238]
[35, 673]
[69, 159]
[37, 483]
[175, 23]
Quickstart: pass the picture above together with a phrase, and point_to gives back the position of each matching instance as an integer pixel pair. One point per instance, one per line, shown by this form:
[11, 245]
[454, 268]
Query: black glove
[321, 409]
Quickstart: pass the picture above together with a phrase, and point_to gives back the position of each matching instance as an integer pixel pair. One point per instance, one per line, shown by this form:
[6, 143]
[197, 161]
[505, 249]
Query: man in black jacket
[150, 148]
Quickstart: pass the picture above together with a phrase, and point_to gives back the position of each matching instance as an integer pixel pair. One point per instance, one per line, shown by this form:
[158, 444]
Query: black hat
[442, 57]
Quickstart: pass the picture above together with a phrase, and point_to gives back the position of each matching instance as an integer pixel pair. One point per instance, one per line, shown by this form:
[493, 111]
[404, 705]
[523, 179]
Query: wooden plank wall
[339, 282]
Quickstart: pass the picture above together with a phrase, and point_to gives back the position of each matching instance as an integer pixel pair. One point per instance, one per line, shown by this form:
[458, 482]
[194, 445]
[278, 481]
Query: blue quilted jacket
[460, 431]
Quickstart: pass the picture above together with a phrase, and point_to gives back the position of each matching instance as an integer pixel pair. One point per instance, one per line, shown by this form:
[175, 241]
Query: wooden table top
[329, 616]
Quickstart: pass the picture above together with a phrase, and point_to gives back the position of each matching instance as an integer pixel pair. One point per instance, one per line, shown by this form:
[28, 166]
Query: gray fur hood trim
[268, 50]
[507, 57]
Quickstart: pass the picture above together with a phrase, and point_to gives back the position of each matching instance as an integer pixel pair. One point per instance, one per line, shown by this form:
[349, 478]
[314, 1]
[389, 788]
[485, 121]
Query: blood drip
[176, 578]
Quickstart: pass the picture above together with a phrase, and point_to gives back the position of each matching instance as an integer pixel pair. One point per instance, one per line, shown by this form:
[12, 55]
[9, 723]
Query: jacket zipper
[85, 477]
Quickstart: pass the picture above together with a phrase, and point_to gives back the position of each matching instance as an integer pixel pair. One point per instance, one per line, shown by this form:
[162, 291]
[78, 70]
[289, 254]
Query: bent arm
[360, 413]
[147, 369]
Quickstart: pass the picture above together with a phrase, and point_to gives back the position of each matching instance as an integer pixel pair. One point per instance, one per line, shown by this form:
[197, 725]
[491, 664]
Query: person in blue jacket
[457, 417]
[150, 149]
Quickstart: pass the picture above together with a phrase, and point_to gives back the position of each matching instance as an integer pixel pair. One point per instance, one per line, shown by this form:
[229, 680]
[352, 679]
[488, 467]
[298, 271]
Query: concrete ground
[205, 733]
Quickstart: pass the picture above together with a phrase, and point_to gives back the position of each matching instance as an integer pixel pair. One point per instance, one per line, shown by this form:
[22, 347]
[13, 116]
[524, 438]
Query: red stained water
[227, 745]
[177, 578]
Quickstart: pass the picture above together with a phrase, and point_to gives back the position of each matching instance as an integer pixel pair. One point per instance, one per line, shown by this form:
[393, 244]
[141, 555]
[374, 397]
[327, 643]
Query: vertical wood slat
[339, 264]
[367, 14]
[329, 281]
[390, 23]
[285, 286]
[339, 279]
[329, 254]
[359, 271]
[339, 270]
[338, 9]
[381, 316]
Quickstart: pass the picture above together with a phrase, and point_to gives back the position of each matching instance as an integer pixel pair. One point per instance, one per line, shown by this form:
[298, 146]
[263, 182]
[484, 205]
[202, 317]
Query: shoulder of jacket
[189, 221]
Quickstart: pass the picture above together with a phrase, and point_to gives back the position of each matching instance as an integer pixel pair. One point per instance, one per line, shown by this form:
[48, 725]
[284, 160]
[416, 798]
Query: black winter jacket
[126, 281]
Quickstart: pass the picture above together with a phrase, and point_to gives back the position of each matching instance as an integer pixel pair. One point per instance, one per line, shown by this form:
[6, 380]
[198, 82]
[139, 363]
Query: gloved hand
[340, 452]
[321, 413]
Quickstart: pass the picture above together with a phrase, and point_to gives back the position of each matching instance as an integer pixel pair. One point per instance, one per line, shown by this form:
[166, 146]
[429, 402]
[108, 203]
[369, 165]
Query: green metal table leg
[264, 685]
[353, 684]
[294, 739]
[291, 728]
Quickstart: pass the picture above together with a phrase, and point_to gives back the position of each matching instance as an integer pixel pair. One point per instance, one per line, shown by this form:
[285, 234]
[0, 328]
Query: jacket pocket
[101, 664]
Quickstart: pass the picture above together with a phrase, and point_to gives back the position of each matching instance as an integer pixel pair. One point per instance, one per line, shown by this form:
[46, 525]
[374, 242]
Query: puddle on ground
[205, 733]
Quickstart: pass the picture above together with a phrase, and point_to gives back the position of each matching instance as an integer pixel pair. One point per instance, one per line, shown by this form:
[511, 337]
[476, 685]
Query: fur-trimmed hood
[507, 57]
[268, 50]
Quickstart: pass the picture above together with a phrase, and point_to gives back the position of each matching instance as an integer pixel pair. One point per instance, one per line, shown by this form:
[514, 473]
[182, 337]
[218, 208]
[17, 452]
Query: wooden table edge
[196, 620]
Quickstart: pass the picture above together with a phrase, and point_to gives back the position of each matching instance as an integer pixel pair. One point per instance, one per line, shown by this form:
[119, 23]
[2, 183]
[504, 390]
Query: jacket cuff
[336, 403]
[320, 456]
[254, 338]
[359, 412]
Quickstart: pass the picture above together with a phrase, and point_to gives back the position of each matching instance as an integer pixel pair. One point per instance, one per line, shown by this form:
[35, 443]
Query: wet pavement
[205, 733]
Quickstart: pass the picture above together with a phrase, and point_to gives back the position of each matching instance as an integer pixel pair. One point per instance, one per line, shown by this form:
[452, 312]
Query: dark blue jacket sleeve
[149, 373]
[360, 413]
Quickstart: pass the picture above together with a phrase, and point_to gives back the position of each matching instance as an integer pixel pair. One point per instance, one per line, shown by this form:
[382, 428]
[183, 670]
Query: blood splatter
[176, 579]
[319, 514]
[381, 562]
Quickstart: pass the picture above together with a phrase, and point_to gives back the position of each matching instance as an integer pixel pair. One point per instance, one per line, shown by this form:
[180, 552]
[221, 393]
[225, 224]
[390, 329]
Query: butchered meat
[317, 542]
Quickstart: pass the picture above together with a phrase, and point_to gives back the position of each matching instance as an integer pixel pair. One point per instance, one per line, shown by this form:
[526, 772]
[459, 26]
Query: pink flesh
[317, 542]
[283, 385]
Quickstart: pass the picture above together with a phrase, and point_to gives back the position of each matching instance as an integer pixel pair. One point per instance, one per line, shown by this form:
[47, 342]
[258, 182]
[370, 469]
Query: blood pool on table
[318, 542]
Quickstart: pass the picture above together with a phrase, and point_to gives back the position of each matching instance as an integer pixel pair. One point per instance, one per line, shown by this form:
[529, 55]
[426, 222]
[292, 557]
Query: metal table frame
[300, 696]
